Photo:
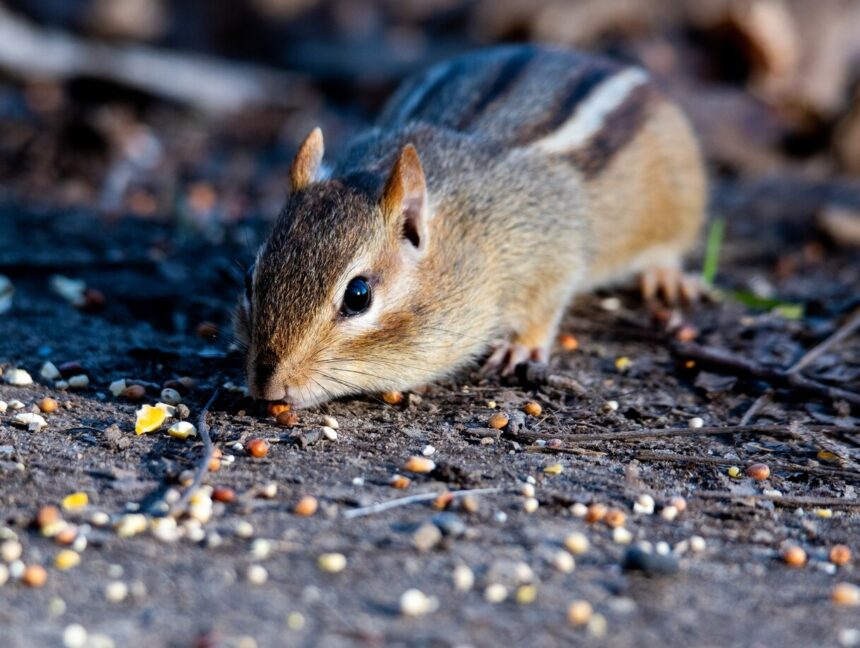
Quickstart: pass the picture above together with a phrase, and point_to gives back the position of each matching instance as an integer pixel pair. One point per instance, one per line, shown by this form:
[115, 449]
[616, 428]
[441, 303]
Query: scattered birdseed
[414, 602]
[686, 333]
[4, 574]
[75, 501]
[678, 502]
[823, 512]
[81, 381]
[256, 574]
[117, 387]
[525, 594]
[287, 419]
[329, 433]
[261, 548]
[464, 578]
[332, 562]
[243, 529]
[733, 472]
[491, 404]
[258, 448]
[568, 342]
[794, 556]
[532, 408]
[17, 377]
[419, 465]
[134, 392]
[595, 513]
[620, 535]
[48, 405]
[215, 461]
[11, 550]
[32, 421]
[758, 471]
[74, 636]
[149, 419]
[428, 450]
[669, 513]
[15, 404]
[846, 594]
[470, 504]
[223, 494]
[306, 506]
[563, 562]
[182, 430]
[49, 371]
[610, 304]
[644, 504]
[696, 422]
[3, 407]
[392, 397]
[131, 524]
[527, 490]
[840, 555]
[401, 482]
[623, 363]
[330, 421]
[495, 593]
[597, 626]
[67, 559]
[275, 408]
[165, 529]
[498, 420]
[34, 575]
[610, 406]
[579, 509]
[663, 548]
[530, 505]
[615, 517]
[295, 621]
[171, 396]
[554, 469]
[697, 544]
[579, 612]
[771, 492]
[576, 543]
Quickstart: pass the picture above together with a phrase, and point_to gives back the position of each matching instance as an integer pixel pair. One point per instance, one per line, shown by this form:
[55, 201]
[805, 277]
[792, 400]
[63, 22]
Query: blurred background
[160, 107]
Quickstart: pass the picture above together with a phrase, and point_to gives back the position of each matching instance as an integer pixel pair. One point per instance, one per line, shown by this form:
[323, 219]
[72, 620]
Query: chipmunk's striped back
[562, 103]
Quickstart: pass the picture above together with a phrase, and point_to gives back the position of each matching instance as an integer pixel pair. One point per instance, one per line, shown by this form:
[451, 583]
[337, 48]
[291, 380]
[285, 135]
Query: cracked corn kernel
[846, 594]
[48, 405]
[306, 506]
[401, 482]
[554, 469]
[182, 430]
[596, 512]
[823, 512]
[794, 556]
[840, 555]
[419, 465]
[274, 409]
[733, 471]
[257, 448]
[392, 397]
[498, 420]
[67, 559]
[758, 471]
[332, 562]
[75, 501]
[568, 342]
[579, 612]
[525, 594]
[149, 419]
[623, 363]
[532, 408]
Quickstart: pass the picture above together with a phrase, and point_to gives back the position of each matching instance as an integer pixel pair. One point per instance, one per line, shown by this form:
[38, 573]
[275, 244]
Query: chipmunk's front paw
[672, 284]
[508, 354]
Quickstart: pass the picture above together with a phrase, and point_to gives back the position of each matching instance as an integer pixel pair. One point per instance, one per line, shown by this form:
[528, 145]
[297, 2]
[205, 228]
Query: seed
[576, 543]
[48, 405]
[620, 535]
[34, 575]
[134, 392]
[182, 430]
[18, 377]
[215, 461]
[66, 535]
[131, 524]
[495, 593]
[399, 481]
[623, 363]
[568, 342]
[287, 419]
[419, 465]
[733, 472]
[207, 330]
[257, 574]
[794, 556]
[823, 512]
[332, 562]
[846, 594]
[171, 396]
[679, 503]
[75, 501]
[306, 506]
[498, 420]
[610, 406]
[758, 471]
[697, 544]
[563, 562]
[330, 421]
[579, 510]
[414, 602]
[840, 555]
[669, 513]
[428, 450]
[81, 381]
[443, 500]
[392, 397]
[597, 626]
[464, 578]
[696, 422]
[530, 505]
[526, 594]
[527, 490]
[48, 514]
[11, 550]
[686, 333]
[223, 494]
[615, 518]
[276, 408]
[596, 513]
[644, 504]
[74, 636]
[49, 371]
[67, 559]
[257, 448]
[532, 408]
[579, 612]
[554, 469]
[149, 419]
[329, 433]
[34, 422]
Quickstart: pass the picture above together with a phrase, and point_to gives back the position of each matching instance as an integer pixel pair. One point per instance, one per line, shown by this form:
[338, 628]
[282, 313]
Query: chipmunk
[493, 188]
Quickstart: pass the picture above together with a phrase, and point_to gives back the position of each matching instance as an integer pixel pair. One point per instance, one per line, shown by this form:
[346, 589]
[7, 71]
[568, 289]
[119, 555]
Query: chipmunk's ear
[404, 199]
[306, 164]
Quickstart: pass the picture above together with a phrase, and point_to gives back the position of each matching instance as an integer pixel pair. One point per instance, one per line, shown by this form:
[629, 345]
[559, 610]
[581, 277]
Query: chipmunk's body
[542, 173]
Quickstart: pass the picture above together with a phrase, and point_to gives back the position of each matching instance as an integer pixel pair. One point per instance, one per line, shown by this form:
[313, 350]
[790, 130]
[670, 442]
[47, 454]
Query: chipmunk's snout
[263, 382]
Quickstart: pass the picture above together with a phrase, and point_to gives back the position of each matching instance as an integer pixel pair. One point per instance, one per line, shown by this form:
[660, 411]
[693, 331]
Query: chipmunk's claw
[507, 355]
[671, 284]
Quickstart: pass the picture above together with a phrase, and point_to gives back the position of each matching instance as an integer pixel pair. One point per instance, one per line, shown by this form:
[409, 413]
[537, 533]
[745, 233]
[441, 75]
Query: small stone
[74, 636]
[464, 578]
[846, 594]
[758, 471]
[330, 421]
[256, 574]
[563, 562]
[17, 377]
[498, 420]
[579, 612]
[419, 465]
[332, 563]
[117, 387]
[244, 529]
[696, 422]
[171, 396]
[495, 593]
[16, 404]
[638, 559]
[576, 543]
[49, 371]
[450, 524]
[81, 381]
[414, 602]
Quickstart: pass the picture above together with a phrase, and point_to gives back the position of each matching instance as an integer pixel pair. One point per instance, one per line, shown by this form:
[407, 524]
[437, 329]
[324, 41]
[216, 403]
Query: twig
[203, 465]
[788, 500]
[674, 458]
[413, 499]
[656, 433]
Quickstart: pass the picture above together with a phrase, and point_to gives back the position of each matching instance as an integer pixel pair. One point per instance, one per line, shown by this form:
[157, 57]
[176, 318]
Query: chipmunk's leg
[531, 343]
[671, 283]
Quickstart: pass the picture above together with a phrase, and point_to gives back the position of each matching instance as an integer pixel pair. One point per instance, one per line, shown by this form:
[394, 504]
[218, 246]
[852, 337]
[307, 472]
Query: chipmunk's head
[328, 308]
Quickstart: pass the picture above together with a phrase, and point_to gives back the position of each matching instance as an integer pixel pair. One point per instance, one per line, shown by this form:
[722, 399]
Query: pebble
[576, 543]
[171, 396]
[419, 465]
[450, 524]
[644, 505]
[116, 591]
[696, 422]
[330, 421]
[117, 387]
[74, 636]
[258, 448]
[261, 548]
[531, 504]
[332, 563]
[428, 450]
[80, 381]
[579, 612]
[638, 559]
[18, 377]
[256, 574]
[563, 562]
[620, 535]
[49, 371]
[464, 578]
[244, 529]
[495, 593]
[134, 392]
[846, 594]
[414, 602]
[182, 430]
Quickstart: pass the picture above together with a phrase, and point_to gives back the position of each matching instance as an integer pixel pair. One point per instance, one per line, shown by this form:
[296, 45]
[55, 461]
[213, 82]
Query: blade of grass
[712, 251]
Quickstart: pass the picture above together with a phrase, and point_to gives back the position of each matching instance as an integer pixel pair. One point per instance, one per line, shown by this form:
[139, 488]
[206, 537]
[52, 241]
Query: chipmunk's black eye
[356, 299]
[249, 282]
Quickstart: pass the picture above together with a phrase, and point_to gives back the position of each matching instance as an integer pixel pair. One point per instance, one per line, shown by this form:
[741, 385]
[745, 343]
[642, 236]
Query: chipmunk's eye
[356, 299]
[249, 282]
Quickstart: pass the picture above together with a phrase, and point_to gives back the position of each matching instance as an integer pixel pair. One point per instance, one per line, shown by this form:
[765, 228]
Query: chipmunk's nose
[263, 383]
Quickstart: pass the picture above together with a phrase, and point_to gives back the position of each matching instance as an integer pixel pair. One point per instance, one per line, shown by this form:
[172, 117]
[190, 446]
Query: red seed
[568, 342]
[257, 448]
[840, 555]
[794, 556]
[134, 392]
[287, 419]
[223, 494]
[34, 576]
[306, 506]
[48, 514]
[392, 397]
[758, 471]
[276, 408]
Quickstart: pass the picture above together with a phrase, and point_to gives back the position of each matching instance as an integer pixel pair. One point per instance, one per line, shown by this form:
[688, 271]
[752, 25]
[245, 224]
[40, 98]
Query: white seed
[414, 602]
[597, 625]
[116, 591]
[644, 504]
[563, 562]
[464, 578]
[72, 290]
[261, 548]
[171, 396]
[663, 548]
[100, 518]
[244, 529]
[330, 421]
[530, 505]
[18, 377]
[528, 490]
[182, 430]
[4, 574]
[576, 543]
[697, 544]
[74, 636]
[117, 387]
[332, 563]
[81, 381]
[579, 509]
[495, 593]
[428, 451]
[49, 371]
[165, 529]
[3, 407]
[257, 574]
[696, 422]
[622, 535]
[610, 406]
[329, 433]
[610, 304]
[10, 550]
[268, 490]
[33, 422]
[131, 524]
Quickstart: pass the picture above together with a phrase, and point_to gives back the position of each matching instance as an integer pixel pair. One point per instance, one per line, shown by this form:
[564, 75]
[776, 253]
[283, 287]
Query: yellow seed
[554, 469]
[419, 465]
[182, 430]
[149, 419]
[579, 612]
[846, 594]
[576, 543]
[48, 405]
[733, 471]
[826, 455]
[526, 594]
[532, 408]
[392, 397]
[67, 559]
[332, 562]
[623, 363]
[75, 501]
[498, 420]
[823, 512]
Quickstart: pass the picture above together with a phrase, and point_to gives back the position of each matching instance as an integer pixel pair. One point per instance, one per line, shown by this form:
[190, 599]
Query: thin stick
[788, 500]
[674, 458]
[656, 433]
[203, 465]
[413, 499]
